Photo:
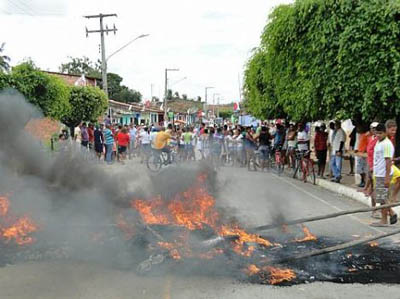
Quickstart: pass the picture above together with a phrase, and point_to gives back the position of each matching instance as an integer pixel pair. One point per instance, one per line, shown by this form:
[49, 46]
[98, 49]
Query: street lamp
[127, 44]
[105, 83]
[166, 92]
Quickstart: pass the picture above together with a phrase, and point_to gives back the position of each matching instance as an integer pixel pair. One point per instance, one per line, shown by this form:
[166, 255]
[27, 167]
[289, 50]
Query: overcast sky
[209, 40]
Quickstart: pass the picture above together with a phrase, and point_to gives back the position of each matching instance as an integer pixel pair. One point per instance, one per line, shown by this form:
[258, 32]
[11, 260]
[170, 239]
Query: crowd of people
[370, 149]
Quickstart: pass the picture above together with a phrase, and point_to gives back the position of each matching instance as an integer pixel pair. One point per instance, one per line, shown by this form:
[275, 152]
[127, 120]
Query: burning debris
[13, 228]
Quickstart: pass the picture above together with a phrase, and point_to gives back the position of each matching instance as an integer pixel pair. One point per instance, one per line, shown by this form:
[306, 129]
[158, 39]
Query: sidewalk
[348, 186]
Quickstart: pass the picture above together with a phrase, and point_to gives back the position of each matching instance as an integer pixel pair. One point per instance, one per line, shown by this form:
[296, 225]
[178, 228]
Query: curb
[348, 191]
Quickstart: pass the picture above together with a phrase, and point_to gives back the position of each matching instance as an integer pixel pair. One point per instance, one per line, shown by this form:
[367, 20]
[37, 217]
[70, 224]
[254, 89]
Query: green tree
[169, 95]
[321, 59]
[4, 60]
[87, 104]
[79, 66]
[114, 85]
[47, 92]
[127, 95]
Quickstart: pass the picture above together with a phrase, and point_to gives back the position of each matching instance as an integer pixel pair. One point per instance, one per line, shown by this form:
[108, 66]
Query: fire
[278, 275]
[308, 236]
[373, 244]
[191, 209]
[194, 209]
[4, 205]
[13, 228]
[20, 231]
[251, 270]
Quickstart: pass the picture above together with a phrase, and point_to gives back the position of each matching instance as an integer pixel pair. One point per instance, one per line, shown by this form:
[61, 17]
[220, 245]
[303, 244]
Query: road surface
[255, 199]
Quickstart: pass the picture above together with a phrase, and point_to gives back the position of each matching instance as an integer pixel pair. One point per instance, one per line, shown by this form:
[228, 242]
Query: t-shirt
[383, 150]
[91, 135]
[145, 137]
[338, 137]
[98, 137]
[302, 136]
[132, 133]
[161, 140]
[108, 136]
[123, 139]
[187, 138]
[77, 134]
[362, 143]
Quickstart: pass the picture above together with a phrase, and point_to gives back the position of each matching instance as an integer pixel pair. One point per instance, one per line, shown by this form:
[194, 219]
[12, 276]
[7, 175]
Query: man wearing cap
[337, 146]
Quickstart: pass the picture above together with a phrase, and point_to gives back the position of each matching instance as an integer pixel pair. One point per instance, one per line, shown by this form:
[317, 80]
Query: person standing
[123, 141]
[145, 141]
[383, 155]
[360, 151]
[132, 142]
[108, 142]
[98, 141]
[337, 147]
[85, 138]
[321, 148]
[91, 136]
[352, 144]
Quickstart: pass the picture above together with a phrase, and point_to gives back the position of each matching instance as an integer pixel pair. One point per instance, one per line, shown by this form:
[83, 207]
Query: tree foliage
[322, 59]
[87, 104]
[81, 66]
[121, 93]
[47, 92]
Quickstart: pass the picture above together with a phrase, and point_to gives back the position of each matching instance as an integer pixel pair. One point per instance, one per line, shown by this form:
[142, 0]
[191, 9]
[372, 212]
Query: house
[76, 80]
[136, 113]
[184, 111]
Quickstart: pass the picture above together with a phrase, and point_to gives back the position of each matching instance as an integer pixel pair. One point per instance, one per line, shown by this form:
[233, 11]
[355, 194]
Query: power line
[23, 4]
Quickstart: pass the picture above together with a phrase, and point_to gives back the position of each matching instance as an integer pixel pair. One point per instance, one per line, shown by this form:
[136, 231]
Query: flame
[373, 244]
[4, 205]
[193, 209]
[278, 275]
[20, 231]
[251, 270]
[13, 228]
[308, 236]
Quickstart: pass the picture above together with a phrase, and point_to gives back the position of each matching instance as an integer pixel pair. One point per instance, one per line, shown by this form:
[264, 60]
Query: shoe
[361, 185]
[333, 179]
[393, 219]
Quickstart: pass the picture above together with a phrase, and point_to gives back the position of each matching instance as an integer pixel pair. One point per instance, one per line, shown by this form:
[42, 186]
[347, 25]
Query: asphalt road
[255, 199]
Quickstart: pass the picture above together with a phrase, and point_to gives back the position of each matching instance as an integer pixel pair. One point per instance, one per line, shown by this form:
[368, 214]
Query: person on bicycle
[161, 142]
[303, 139]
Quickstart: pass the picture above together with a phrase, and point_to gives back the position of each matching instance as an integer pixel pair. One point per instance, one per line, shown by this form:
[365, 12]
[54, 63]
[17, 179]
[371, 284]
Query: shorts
[264, 150]
[361, 165]
[121, 149]
[382, 193]
[98, 147]
[84, 143]
[321, 156]
[188, 148]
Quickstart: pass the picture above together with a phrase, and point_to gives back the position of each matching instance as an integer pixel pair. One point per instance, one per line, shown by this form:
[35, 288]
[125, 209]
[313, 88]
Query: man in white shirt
[132, 135]
[383, 155]
[338, 140]
[302, 139]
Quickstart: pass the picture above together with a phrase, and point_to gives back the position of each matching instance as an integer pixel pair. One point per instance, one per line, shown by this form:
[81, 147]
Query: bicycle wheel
[296, 173]
[154, 163]
[311, 173]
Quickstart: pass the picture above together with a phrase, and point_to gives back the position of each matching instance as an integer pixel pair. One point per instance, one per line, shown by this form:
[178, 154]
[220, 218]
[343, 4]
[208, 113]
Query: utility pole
[166, 92]
[103, 46]
[205, 108]
[215, 94]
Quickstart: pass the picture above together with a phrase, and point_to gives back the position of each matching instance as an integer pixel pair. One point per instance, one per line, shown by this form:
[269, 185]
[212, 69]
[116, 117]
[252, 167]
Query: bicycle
[306, 164]
[158, 159]
[278, 161]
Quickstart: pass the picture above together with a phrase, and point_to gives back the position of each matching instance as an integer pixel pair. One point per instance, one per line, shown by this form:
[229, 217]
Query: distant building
[76, 80]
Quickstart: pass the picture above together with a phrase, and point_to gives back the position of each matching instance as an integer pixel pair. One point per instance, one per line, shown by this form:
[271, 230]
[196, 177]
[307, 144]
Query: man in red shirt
[123, 141]
[91, 136]
[369, 187]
